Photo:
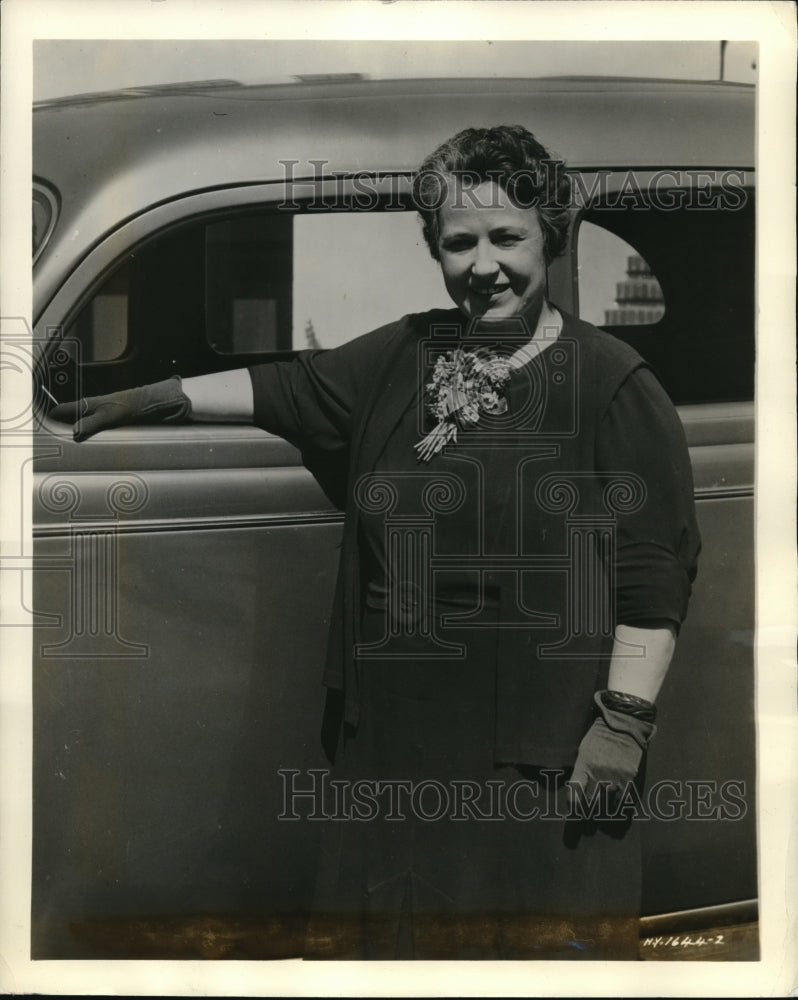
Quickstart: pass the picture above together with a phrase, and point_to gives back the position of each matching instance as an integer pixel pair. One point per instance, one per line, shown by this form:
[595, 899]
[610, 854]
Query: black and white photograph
[390, 427]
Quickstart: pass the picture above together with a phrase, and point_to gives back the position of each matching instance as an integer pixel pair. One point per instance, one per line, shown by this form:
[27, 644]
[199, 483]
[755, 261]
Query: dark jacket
[570, 513]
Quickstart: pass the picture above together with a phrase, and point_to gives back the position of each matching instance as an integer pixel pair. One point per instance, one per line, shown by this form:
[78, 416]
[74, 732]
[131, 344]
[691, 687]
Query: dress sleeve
[311, 399]
[312, 402]
[308, 400]
[657, 544]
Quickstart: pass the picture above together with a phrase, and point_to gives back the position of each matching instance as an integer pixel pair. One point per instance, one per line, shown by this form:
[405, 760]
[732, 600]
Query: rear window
[616, 285]
[678, 285]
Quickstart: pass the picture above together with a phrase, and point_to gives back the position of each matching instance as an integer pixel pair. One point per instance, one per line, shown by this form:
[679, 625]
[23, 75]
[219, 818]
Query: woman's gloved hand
[611, 751]
[160, 402]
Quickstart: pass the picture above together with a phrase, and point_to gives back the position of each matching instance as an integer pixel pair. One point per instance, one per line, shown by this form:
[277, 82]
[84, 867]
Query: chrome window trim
[49, 196]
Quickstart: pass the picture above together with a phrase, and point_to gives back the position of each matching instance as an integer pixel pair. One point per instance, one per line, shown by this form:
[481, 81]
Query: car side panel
[706, 733]
[161, 722]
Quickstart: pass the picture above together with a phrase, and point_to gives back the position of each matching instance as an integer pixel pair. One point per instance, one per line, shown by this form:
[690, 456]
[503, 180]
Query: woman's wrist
[628, 704]
[224, 397]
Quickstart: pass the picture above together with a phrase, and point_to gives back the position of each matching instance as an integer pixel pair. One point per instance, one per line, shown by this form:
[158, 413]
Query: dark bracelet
[629, 704]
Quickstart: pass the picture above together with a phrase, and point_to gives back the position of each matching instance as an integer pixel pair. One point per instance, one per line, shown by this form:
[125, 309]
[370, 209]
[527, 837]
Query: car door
[186, 573]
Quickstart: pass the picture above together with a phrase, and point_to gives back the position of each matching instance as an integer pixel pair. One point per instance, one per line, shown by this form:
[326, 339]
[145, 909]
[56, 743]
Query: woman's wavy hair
[510, 156]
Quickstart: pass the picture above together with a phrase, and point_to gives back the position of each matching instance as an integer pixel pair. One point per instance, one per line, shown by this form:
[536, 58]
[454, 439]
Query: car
[185, 229]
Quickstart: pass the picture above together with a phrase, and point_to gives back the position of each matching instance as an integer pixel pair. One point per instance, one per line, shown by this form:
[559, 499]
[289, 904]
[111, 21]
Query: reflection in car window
[247, 279]
[356, 271]
[102, 326]
[281, 281]
[616, 286]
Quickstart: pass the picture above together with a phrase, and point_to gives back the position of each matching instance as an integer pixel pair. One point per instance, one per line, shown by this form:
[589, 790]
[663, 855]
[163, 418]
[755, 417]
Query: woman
[518, 551]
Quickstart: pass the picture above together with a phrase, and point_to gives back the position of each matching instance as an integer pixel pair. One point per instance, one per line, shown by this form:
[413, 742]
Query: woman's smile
[492, 292]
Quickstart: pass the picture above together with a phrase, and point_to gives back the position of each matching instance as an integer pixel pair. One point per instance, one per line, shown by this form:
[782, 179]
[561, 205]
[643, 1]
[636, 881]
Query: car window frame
[49, 194]
[89, 273]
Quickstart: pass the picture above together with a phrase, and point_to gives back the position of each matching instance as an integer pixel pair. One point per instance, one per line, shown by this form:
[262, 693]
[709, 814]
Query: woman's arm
[657, 544]
[641, 671]
[224, 397]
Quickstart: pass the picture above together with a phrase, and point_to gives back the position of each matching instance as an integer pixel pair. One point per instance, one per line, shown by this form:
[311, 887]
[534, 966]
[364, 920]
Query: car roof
[393, 124]
[112, 155]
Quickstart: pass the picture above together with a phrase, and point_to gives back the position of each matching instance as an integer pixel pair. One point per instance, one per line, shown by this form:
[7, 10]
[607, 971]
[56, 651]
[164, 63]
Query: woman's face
[492, 254]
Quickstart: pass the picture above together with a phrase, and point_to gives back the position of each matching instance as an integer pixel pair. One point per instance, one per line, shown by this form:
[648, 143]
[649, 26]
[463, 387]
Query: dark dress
[450, 842]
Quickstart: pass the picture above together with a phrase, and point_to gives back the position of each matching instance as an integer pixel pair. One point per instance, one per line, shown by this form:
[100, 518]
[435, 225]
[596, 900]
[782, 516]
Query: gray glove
[160, 402]
[610, 753]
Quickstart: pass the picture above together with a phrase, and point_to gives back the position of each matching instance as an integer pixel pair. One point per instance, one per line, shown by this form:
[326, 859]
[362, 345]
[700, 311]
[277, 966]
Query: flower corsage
[464, 385]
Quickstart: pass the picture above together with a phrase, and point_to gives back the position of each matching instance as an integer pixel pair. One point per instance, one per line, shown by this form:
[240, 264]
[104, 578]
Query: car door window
[228, 290]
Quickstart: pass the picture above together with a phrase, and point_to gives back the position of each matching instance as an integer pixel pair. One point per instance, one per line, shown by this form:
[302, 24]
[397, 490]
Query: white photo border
[773, 27]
